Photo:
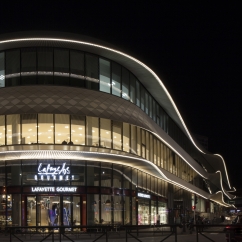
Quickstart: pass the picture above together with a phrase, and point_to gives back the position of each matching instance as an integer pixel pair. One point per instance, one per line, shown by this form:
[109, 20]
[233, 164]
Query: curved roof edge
[147, 76]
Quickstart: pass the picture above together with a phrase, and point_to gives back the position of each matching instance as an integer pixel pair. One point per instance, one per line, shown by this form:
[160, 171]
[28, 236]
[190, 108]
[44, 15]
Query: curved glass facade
[92, 131]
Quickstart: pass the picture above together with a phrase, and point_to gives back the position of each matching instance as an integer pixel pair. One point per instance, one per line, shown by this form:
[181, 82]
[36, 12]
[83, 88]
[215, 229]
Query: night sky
[194, 48]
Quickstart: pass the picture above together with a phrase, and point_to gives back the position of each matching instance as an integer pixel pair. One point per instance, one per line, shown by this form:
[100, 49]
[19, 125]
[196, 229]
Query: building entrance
[53, 210]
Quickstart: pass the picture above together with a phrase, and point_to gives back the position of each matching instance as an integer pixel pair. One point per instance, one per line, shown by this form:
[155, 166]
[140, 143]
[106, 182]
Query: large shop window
[13, 129]
[91, 70]
[62, 129]
[105, 133]
[117, 135]
[2, 130]
[92, 130]
[29, 128]
[125, 84]
[78, 129]
[116, 79]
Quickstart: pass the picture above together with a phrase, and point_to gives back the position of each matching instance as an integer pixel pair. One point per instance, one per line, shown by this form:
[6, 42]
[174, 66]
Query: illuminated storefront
[90, 135]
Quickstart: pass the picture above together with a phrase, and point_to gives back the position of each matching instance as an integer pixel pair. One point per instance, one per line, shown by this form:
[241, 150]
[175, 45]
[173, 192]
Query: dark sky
[195, 48]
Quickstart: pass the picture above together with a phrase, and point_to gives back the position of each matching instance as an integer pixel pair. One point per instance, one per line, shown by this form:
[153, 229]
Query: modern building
[89, 135]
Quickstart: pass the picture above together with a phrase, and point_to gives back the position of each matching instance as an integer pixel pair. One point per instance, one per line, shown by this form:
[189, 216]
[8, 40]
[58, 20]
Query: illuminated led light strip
[221, 184]
[224, 168]
[44, 154]
[129, 57]
[222, 198]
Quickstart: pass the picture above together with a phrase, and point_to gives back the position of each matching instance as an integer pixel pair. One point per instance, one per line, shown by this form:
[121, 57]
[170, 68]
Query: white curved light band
[129, 57]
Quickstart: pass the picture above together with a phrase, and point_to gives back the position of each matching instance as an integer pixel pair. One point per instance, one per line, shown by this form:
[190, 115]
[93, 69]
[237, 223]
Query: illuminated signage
[143, 195]
[53, 189]
[53, 173]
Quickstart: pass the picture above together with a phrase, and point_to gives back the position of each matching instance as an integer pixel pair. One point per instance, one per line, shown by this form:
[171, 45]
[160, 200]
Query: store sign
[48, 172]
[53, 189]
[143, 195]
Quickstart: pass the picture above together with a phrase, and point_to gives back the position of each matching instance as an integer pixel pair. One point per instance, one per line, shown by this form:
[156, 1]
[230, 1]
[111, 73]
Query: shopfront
[77, 192]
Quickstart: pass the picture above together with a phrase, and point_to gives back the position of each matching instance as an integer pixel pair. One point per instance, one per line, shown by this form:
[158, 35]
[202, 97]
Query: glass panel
[61, 67]
[93, 209]
[127, 172]
[14, 172]
[91, 70]
[117, 176]
[29, 128]
[62, 129]
[127, 204]
[106, 208]
[105, 133]
[12, 68]
[142, 98]
[133, 139]
[146, 103]
[125, 84]
[2, 130]
[150, 107]
[77, 71]
[162, 212]
[67, 211]
[134, 215]
[117, 137]
[139, 141]
[2, 70]
[78, 170]
[76, 211]
[106, 174]
[132, 88]
[143, 212]
[126, 134]
[48, 211]
[28, 66]
[153, 216]
[134, 179]
[155, 150]
[117, 209]
[14, 210]
[45, 65]
[78, 129]
[154, 110]
[93, 173]
[13, 129]
[45, 129]
[104, 69]
[116, 79]
[31, 210]
[137, 93]
[2, 175]
[92, 130]
[29, 170]
[151, 149]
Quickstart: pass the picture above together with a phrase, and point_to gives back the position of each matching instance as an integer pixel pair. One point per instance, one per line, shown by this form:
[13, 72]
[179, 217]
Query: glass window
[142, 98]
[146, 103]
[93, 209]
[154, 110]
[127, 204]
[91, 70]
[28, 66]
[2, 70]
[126, 135]
[127, 171]
[125, 84]
[78, 129]
[117, 209]
[45, 65]
[61, 67]
[92, 131]
[105, 133]
[106, 207]
[29, 170]
[12, 68]
[133, 140]
[139, 142]
[150, 106]
[134, 178]
[14, 172]
[79, 172]
[132, 88]
[151, 148]
[62, 129]
[117, 137]
[13, 129]
[116, 79]
[45, 129]
[137, 93]
[117, 175]
[29, 129]
[104, 77]
[158, 153]
[134, 214]
[77, 72]
[147, 146]
[93, 173]
[155, 150]
[106, 174]
[2, 130]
